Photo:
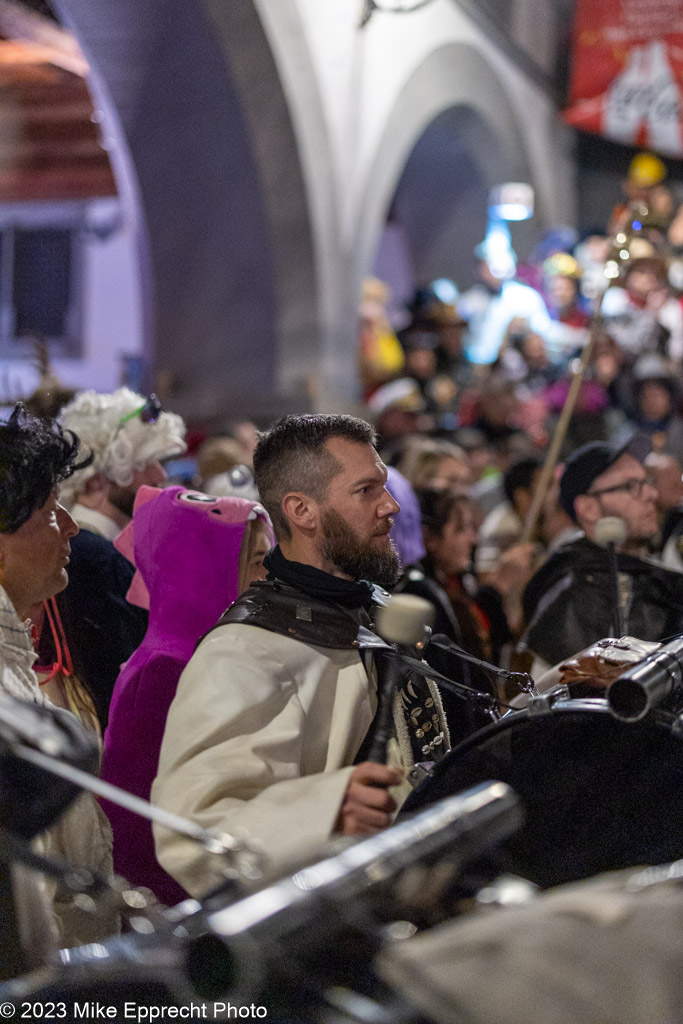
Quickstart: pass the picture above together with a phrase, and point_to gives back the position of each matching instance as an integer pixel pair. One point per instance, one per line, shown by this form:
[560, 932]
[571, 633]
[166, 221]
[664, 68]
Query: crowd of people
[220, 639]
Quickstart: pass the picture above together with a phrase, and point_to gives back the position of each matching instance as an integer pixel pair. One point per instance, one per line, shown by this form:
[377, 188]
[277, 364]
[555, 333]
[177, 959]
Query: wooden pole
[560, 433]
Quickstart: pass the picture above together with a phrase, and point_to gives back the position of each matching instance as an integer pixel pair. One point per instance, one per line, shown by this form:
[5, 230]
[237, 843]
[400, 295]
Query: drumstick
[621, 251]
[578, 370]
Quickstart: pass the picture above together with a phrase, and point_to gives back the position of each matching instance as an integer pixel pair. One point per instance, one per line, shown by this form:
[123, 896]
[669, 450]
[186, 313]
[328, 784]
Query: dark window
[40, 289]
[42, 282]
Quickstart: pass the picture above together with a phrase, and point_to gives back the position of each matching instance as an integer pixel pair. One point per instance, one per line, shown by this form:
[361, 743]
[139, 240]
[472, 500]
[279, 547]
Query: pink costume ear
[125, 543]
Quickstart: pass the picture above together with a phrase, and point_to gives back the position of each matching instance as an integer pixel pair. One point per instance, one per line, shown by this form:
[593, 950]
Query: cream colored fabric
[603, 951]
[83, 834]
[17, 656]
[259, 739]
[96, 522]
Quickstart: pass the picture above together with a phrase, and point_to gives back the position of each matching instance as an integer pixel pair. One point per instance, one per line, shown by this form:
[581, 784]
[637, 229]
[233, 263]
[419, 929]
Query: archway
[218, 277]
[453, 133]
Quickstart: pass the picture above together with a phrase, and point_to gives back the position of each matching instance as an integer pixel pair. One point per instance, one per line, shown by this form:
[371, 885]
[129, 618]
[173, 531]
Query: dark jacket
[463, 718]
[568, 602]
[102, 628]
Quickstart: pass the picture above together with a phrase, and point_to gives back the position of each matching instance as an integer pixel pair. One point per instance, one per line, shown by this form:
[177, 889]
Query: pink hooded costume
[186, 549]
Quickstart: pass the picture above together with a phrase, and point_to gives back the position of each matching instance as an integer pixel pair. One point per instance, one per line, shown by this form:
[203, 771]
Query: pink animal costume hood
[186, 547]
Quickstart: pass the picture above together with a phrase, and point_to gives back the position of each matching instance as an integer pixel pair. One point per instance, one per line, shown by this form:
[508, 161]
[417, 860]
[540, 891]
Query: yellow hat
[646, 169]
[561, 264]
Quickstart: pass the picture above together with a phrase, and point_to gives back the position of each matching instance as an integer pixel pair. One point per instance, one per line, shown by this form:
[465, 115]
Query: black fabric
[598, 794]
[568, 603]
[281, 608]
[672, 525]
[463, 719]
[415, 580]
[316, 583]
[101, 627]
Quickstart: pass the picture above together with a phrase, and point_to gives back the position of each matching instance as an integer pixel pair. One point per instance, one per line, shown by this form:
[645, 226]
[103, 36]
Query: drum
[598, 794]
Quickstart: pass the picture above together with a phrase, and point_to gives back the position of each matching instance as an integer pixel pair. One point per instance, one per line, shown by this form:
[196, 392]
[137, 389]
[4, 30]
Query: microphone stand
[617, 618]
[384, 722]
[522, 679]
[485, 700]
[219, 843]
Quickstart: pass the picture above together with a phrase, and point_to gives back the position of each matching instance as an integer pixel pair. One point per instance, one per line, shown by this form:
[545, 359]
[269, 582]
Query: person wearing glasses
[568, 603]
[128, 435]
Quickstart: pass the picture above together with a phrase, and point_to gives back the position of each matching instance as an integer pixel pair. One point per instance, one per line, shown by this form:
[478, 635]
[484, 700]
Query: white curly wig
[119, 449]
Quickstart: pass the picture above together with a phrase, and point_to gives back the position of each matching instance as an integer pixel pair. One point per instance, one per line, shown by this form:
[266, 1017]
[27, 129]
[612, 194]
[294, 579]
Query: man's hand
[367, 807]
[515, 569]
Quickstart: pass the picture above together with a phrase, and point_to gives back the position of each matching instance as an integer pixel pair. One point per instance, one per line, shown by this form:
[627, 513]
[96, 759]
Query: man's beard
[361, 560]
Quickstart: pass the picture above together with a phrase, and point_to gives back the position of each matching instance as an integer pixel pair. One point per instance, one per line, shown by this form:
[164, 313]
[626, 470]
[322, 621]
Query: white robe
[260, 739]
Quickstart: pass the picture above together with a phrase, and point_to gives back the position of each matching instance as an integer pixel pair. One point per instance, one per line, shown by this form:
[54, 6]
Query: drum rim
[582, 705]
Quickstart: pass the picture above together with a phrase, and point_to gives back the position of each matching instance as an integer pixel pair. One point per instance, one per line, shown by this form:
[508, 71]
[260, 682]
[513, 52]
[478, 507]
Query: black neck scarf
[316, 583]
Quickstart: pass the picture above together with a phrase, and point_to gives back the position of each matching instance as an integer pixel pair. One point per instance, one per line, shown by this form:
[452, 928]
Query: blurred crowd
[465, 394]
[467, 388]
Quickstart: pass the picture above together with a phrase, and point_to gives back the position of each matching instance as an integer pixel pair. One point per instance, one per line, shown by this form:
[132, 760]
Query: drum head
[598, 794]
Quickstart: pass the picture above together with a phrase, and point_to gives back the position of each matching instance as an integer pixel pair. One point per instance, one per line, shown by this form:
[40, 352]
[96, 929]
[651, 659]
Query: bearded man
[270, 727]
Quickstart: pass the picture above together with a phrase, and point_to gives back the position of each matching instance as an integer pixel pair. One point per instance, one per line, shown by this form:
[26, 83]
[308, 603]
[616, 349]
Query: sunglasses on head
[148, 412]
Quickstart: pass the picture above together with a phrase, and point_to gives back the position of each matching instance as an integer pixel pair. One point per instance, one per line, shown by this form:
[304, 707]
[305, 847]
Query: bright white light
[514, 200]
[445, 290]
[511, 211]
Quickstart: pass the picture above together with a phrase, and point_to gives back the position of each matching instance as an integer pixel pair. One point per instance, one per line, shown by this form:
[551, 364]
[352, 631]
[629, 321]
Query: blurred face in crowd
[451, 473]
[665, 472]
[499, 404]
[255, 546]
[356, 516]
[607, 359]
[562, 291]
[523, 496]
[394, 423]
[654, 400]
[421, 363]
[624, 490]
[534, 352]
[34, 558]
[451, 549]
[641, 282]
[451, 339]
[123, 498]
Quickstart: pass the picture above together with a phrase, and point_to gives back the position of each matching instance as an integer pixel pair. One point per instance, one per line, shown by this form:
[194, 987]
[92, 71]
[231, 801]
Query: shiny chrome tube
[647, 683]
[306, 910]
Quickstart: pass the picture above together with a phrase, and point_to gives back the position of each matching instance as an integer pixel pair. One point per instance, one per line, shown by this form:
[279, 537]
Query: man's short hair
[35, 456]
[290, 457]
[520, 474]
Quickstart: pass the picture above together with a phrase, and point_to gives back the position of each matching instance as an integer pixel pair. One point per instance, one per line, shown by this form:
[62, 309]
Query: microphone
[647, 683]
[404, 618]
[403, 622]
[609, 532]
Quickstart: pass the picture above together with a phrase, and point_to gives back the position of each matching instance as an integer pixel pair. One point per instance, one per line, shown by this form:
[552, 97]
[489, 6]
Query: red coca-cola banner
[627, 72]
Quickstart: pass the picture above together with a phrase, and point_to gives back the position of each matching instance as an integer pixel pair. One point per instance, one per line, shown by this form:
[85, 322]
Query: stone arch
[211, 142]
[456, 99]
